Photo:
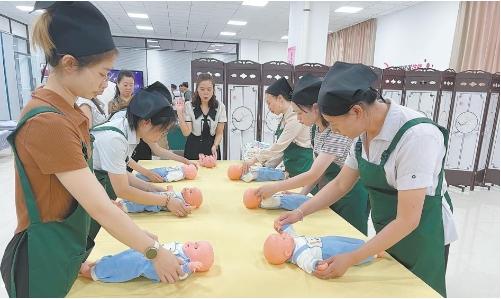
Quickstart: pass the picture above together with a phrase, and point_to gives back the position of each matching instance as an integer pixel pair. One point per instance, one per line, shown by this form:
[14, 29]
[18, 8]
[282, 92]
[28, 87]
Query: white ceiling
[204, 20]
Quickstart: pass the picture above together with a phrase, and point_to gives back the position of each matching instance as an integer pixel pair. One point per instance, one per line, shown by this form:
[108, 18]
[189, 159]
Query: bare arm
[133, 192]
[166, 154]
[320, 165]
[152, 176]
[328, 195]
[84, 187]
[90, 194]
[219, 134]
[183, 124]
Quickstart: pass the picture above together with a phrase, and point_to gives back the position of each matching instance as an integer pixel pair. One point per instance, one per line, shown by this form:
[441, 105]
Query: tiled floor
[473, 262]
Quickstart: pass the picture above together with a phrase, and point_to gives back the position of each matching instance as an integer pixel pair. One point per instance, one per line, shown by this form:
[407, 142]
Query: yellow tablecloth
[240, 269]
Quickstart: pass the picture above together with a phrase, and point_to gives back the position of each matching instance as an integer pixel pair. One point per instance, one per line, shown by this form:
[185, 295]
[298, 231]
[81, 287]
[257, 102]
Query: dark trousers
[21, 273]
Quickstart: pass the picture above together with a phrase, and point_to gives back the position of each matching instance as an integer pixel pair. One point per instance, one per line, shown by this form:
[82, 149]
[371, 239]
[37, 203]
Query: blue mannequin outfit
[132, 207]
[169, 174]
[263, 174]
[131, 264]
[283, 201]
[309, 251]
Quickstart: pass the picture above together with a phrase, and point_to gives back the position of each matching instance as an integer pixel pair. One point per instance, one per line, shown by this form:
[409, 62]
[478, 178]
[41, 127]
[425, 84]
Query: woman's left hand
[214, 151]
[336, 266]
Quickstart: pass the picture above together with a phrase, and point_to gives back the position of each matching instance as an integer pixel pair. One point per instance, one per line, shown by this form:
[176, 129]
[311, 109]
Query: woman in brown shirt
[56, 192]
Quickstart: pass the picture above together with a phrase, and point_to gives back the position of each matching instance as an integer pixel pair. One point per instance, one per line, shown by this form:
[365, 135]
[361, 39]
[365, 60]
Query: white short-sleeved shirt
[111, 149]
[195, 116]
[97, 116]
[416, 161]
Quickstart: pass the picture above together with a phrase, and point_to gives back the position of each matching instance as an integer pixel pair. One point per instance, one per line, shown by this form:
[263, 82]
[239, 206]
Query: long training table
[240, 269]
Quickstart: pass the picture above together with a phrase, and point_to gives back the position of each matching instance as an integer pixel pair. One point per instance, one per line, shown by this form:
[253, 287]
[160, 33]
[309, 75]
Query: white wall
[249, 49]
[269, 51]
[424, 31]
[261, 51]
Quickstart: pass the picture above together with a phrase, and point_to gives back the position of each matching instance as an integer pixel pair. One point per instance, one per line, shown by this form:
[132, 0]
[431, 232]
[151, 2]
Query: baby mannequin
[130, 264]
[191, 196]
[207, 161]
[307, 252]
[173, 174]
[286, 201]
[256, 173]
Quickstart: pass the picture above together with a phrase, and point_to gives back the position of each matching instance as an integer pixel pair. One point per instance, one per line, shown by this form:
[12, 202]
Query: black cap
[77, 28]
[306, 90]
[150, 101]
[281, 86]
[345, 85]
[173, 86]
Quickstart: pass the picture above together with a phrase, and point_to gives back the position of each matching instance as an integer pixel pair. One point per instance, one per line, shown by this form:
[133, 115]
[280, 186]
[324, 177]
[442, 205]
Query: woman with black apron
[398, 156]
[56, 191]
[330, 151]
[293, 140]
[202, 120]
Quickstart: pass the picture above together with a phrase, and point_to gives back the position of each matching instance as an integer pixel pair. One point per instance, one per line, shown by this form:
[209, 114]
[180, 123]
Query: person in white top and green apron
[398, 155]
[56, 191]
[330, 151]
[293, 144]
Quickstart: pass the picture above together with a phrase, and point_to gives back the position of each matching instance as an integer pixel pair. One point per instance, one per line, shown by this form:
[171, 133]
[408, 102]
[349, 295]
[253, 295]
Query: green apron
[422, 251]
[297, 159]
[354, 206]
[104, 179]
[56, 249]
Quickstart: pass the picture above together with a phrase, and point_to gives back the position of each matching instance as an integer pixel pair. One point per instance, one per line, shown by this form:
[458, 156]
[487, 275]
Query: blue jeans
[169, 174]
[133, 207]
[269, 174]
[126, 266]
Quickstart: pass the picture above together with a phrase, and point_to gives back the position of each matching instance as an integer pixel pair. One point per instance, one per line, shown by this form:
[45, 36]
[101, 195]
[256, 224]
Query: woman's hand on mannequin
[247, 164]
[167, 266]
[290, 217]
[336, 266]
[266, 191]
[154, 177]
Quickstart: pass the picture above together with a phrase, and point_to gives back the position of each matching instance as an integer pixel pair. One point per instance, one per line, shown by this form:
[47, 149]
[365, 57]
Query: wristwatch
[152, 252]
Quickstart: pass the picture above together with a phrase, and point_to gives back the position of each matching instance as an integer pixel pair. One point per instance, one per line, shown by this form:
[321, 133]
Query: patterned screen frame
[422, 79]
[490, 175]
[393, 79]
[315, 69]
[242, 72]
[469, 81]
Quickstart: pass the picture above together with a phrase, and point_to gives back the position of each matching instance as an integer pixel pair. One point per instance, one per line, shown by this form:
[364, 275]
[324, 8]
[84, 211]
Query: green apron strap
[29, 197]
[409, 124]
[108, 128]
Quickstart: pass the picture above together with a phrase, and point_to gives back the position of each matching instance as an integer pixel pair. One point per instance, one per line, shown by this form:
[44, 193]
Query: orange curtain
[354, 44]
[476, 40]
